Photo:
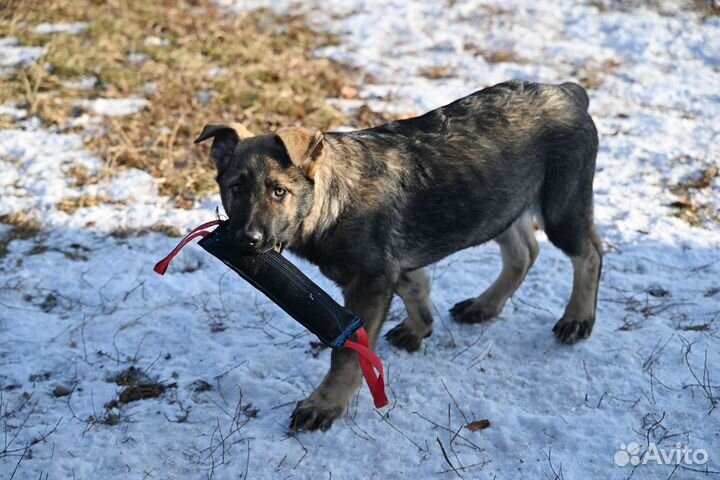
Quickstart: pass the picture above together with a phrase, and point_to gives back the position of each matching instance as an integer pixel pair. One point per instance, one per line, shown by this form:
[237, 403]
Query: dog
[373, 207]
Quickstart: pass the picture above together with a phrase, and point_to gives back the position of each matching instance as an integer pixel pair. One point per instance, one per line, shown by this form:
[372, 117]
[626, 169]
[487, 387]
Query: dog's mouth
[279, 247]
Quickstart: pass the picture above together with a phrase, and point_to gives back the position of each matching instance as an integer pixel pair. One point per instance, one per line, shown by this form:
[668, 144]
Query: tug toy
[300, 297]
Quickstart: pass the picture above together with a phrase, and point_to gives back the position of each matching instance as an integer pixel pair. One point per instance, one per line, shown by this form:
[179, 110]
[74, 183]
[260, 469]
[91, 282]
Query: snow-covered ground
[79, 302]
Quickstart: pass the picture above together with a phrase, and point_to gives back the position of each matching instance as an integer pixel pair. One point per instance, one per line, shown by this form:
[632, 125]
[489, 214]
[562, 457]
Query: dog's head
[266, 182]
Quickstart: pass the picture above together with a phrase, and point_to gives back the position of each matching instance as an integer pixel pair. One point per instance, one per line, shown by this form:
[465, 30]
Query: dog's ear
[304, 147]
[226, 138]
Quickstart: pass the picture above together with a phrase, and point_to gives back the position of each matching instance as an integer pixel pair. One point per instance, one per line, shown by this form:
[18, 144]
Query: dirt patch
[138, 386]
[199, 386]
[128, 377]
[141, 391]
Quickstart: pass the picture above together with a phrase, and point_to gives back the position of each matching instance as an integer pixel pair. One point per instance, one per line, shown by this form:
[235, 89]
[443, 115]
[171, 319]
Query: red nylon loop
[162, 266]
[371, 366]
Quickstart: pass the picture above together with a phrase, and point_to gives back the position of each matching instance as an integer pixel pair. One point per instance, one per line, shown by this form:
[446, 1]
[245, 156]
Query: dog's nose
[251, 237]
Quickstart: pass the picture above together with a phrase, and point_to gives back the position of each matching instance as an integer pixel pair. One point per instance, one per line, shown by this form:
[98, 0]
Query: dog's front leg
[369, 298]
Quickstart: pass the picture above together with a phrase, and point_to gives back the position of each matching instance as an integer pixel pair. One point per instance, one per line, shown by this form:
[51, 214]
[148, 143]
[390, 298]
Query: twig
[482, 332]
[247, 462]
[305, 452]
[470, 442]
[455, 402]
[703, 384]
[399, 431]
[447, 460]
[467, 467]
[558, 475]
[655, 354]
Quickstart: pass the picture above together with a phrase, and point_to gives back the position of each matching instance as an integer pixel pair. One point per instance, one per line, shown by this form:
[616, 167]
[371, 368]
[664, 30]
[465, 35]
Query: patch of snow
[14, 55]
[138, 57]
[49, 28]
[8, 41]
[36, 175]
[154, 41]
[12, 111]
[115, 107]
[150, 89]
[132, 185]
[36, 178]
[84, 83]
[204, 96]
[89, 123]
[215, 72]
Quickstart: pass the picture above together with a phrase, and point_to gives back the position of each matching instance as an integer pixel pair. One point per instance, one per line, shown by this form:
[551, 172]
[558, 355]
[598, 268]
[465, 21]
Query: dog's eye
[236, 188]
[279, 192]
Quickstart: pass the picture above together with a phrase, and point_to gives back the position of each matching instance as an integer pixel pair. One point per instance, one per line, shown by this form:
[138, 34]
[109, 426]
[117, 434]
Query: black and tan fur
[373, 207]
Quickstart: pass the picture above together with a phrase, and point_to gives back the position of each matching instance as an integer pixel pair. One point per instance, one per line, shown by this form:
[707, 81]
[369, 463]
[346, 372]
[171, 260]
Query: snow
[80, 303]
[71, 28]
[115, 106]
[13, 55]
[12, 111]
[84, 83]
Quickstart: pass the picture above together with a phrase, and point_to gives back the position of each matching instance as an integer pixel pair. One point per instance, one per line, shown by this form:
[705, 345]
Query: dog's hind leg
[567, 211]
[414, 289]
[519, 249]
[369, 298]
[579, 318]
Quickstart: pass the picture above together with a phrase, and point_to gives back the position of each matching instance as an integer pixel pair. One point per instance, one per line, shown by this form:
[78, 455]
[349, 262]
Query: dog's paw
[472, 311]
[312, 414]
[406, 337]
[570, 330]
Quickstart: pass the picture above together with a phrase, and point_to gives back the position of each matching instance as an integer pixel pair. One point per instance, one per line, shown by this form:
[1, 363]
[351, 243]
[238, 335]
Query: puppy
[373, 207]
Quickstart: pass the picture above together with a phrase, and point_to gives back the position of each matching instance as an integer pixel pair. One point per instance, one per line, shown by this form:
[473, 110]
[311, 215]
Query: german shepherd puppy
[373, 207]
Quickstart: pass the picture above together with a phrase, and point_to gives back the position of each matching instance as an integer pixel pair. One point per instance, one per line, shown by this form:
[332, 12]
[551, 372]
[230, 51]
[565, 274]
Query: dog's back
[461, 174]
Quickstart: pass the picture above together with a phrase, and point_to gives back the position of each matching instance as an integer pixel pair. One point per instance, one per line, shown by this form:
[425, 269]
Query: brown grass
[70, 205]
[164, 228]
[436, 73]
[495, 56]
[268, 77]
[704, 8]
[23, 228]
[686, 207]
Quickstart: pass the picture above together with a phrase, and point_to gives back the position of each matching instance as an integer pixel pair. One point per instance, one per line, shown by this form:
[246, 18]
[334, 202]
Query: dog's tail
[577, 93]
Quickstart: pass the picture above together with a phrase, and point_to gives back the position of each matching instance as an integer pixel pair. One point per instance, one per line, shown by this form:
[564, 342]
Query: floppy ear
[226, 139]
[304, 147]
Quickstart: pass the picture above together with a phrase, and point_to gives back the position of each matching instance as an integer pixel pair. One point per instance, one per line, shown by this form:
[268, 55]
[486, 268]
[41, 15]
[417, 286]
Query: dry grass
[168, 230]
[436, 73]
[704, 8]
[193, 62]
[707, 8]
[686, 206]
[23, 227]
[70, 205]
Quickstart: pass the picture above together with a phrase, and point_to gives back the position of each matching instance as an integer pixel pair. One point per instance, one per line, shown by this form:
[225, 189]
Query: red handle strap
[371, 366]
[199, 231]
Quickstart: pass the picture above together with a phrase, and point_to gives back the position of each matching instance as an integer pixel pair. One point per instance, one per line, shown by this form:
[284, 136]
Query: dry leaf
[478, 425]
